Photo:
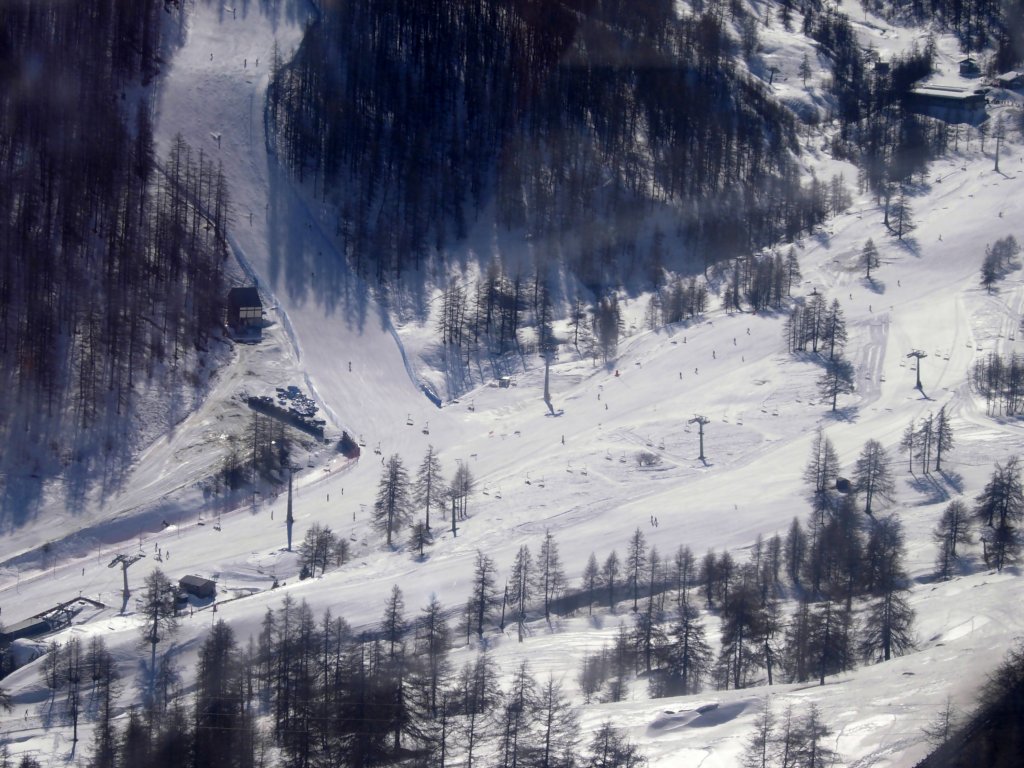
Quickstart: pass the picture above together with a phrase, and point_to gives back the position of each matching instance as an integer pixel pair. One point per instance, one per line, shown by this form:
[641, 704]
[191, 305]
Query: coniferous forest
[111, 259]
[571, 121]
[625, 143]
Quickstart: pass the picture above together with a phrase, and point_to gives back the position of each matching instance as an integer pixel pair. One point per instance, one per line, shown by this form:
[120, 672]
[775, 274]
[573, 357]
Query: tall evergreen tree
[549, 576]
[823, 467]
[103, 673]
[517, 718]
[687, 658]
[609, 575]
[391, 510]
[1000, 508]
[811, 749]
[798, 660]
[393, 625]
[433, 641]
[610, 749]
[742, 618]
[943, 437]
[926, 442]
[869, 257]
[871, 475]
[795, 551]
[459, 491]
[758, 752]
[953, 528]
[557, 729]
[521, 586]
[836, 380]
[429, 488]
[636, 560]
[683, 566]
[223, 733]
[793, 274]
[317, 548]
[158, 614]
[477, 697]
[834, 332]
[888, 625]
[909, 443]
[830, 641]
[484, 575]
[591, 580]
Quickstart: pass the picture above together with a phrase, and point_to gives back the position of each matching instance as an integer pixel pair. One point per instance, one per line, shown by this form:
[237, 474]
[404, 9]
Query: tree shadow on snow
[909, 244]
[873, 284]
[846, 414]
[930, 488]
[953, 479]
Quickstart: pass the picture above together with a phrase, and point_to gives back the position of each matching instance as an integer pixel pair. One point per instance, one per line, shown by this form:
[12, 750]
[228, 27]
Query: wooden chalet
[245, 311]
[197, 586]
[969, 67]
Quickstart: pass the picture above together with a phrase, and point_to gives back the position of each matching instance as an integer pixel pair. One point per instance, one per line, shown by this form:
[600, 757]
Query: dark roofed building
[26, 629]
[198, 586]
[1011, 79]
[969, 67]
[951, 103]
[245, 311]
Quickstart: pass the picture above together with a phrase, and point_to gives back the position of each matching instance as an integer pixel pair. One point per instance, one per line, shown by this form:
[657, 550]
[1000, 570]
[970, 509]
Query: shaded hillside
[994, 736]
[108, 269]
[572, 121]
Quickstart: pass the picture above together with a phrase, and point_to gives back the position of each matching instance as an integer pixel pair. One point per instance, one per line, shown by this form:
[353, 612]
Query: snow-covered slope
[575, 474]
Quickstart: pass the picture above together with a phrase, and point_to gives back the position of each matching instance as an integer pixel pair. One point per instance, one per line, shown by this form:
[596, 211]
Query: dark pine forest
[573, 122]
[625, 140]
[111, 262]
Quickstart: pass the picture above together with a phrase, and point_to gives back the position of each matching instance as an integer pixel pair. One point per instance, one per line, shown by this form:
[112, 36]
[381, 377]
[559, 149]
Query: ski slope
[574, 474]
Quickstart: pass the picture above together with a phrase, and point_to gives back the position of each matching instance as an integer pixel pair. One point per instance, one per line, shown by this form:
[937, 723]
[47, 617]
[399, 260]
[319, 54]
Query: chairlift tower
[126, 561]
[700, 421]
[917, 353]
[290, 518]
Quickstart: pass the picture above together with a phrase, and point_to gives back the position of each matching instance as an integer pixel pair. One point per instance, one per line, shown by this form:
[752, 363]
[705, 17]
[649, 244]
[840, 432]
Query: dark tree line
[789, 741]
[993, 735]
[535, 109]
[1000, 258]
[488, 317]
[978, 24]
[847, 575]
[332, 697]
[1000, 380]
[999, 511]
[399, 497]
[927, 441]
[813, 323]
[815, 602]
[111, 266]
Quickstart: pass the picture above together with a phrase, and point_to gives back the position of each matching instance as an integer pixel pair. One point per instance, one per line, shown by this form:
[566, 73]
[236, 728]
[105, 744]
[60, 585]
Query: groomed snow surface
[575, 474]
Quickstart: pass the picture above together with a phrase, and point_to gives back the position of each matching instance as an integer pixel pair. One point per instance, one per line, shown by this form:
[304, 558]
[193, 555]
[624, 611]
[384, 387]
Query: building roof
[948, 92]
[196, 581]
[248, 296]
[27, 628]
